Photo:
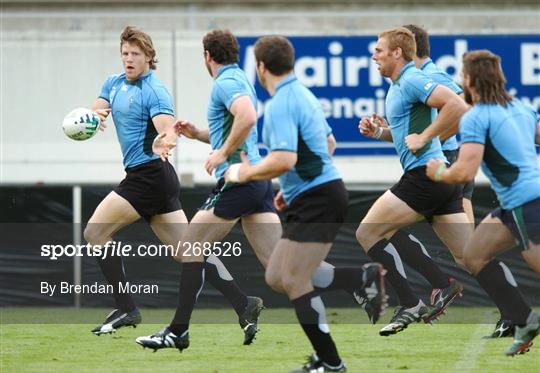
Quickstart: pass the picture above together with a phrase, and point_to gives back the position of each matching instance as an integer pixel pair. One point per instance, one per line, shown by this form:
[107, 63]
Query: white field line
[473, 349]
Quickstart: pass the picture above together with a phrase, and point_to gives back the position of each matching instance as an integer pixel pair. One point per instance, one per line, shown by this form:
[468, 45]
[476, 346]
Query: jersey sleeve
[228, 90]
[472, 128]
[106, 88]
[159, 101]
[327, 128]
[283, 131]
[449, 83]
[532, 112]
[446, 80]
[418, 87]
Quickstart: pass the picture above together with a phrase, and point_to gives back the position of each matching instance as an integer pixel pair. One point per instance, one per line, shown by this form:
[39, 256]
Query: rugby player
[312, 189]
[232, 130]
[499, 132]
[409, 103]
[142, 109]
[504, 327]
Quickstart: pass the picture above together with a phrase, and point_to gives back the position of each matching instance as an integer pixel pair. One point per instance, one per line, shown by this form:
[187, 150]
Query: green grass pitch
[62, 342]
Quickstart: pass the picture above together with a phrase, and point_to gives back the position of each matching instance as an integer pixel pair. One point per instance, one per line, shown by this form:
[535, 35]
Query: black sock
[498, 282]
[191, 283]
[386, 254]
[413, 253]
[218, 276]
[113, 270]
[311, 315]
[328, 278]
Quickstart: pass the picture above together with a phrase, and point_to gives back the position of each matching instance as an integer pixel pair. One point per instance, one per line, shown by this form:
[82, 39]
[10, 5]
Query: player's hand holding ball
[81, 124]
[102, 114]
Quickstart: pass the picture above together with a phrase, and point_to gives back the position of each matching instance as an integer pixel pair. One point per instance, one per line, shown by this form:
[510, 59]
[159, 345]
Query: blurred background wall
[56, 55]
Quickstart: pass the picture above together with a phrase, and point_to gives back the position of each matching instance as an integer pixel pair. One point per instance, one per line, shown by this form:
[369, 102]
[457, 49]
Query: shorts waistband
[143, 165]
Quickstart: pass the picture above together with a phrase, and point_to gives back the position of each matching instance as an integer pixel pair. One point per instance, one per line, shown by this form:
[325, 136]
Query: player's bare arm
[165, 141]
[537, 138]
[245, 117]
[191, 131]
[276, 163]
[450, 131]
[463, 170]
[102, 108]
[451, 108]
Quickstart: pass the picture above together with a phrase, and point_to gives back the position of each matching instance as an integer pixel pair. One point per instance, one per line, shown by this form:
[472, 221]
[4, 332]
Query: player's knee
[290, 283]
[532, 257]
[472, 263]
[458, 258]
[273, 279]
[93, 235]
[177, 257]
[364, 236]
[460, 262]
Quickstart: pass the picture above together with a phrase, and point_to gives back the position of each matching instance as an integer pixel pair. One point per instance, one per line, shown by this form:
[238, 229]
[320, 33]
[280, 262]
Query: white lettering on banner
[354, 65]
[454, 61]
[336, 64]
[332, 70]
[250, 67]
[336, 71]
[345, 107]
[322, 71]
[311, 71]
[530, 63]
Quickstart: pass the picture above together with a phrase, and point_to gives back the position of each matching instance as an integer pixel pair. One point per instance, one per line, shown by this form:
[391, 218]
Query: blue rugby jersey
[407, 113]
[230, 83]
[510, 162]
[294, 121]
[441, 77]
[133, 105]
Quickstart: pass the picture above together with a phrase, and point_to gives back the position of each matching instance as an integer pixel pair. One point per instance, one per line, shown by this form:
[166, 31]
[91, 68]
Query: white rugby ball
[81, 124]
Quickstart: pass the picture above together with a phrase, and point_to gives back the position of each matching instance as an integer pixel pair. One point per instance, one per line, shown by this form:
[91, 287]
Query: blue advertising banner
[340, 72]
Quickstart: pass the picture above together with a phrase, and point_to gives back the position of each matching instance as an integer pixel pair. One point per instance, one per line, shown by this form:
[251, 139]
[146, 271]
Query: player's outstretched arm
[463, 170]
[537, 139]
[191, 131]
[102, 108]
[165, 141]
[451, 108]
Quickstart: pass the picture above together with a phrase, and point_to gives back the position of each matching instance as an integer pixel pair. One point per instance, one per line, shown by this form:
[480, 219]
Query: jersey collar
[403, 69]
[226, 67]
[132, 82]
[426, 62]
[288, 79]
